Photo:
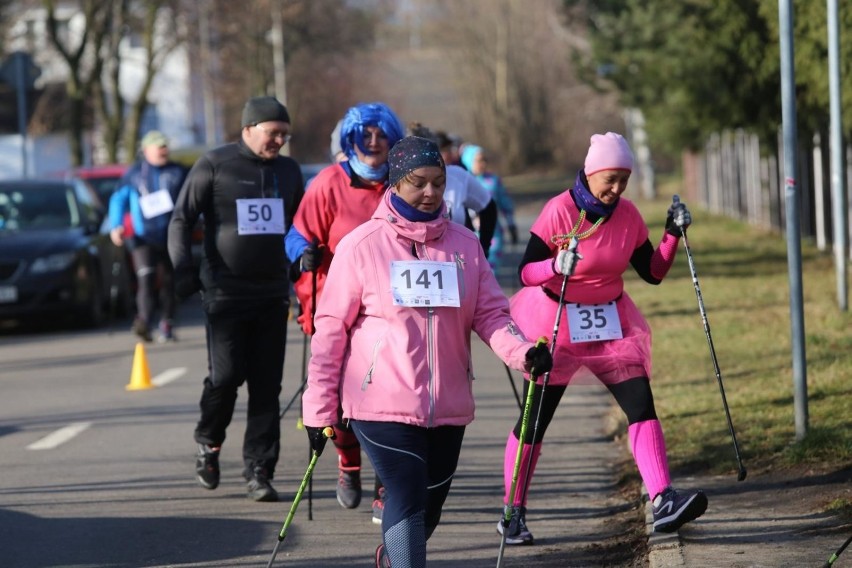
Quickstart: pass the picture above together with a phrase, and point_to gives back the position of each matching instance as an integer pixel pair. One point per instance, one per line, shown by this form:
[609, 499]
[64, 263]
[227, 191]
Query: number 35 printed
[593, 322]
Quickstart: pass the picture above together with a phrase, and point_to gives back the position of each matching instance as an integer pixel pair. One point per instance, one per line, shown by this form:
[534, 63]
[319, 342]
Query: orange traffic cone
[140, 375]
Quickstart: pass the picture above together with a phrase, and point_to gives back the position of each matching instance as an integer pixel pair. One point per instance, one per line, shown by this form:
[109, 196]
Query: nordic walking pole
[305, 376]
[572, 249]
[514, 388]
[840, 550]
[507, 514]
[741, 474]
[304, 382]
[282, 534]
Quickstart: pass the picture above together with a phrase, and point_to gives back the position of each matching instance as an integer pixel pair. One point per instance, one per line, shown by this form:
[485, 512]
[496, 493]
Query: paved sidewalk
[764, 521]
[575, 512]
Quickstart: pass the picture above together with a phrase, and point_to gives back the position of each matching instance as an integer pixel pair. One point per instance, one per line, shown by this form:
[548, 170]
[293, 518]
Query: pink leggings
[644, 431]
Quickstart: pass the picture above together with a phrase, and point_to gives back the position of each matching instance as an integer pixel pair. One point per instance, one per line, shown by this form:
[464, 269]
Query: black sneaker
[349, 488]
[672, 509]
[259, 488]
[207, 466]
[518, 533]
[140, 328]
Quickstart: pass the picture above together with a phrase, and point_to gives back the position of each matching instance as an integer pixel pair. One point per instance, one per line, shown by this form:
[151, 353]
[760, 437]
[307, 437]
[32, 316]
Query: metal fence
[737, 176]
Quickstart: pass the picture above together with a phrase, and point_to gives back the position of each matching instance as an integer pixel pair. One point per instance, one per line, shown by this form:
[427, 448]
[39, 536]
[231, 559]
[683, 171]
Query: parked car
[102, 179]
[310, 171]
[54, 259]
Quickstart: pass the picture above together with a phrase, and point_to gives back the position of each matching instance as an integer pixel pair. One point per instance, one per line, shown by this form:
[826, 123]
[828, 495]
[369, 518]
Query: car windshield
[104, 186]
[32, 208]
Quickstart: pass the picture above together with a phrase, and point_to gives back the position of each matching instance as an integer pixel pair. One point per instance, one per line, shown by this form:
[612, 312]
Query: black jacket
[233, 267]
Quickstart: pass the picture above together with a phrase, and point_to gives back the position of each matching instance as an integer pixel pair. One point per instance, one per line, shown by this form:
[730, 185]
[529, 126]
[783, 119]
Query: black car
[54, 259]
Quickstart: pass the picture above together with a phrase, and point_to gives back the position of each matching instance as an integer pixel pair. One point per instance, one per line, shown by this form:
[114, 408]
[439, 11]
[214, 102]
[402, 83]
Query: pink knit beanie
[608, 151]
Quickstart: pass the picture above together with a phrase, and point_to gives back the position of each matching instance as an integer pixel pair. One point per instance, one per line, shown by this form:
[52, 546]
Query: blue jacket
[143, 178]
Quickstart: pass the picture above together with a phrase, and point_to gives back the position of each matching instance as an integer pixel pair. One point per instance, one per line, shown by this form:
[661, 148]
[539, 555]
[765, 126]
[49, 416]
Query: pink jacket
[391, 363]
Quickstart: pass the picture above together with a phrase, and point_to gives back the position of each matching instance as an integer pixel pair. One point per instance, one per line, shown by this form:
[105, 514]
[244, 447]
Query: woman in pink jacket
[392, 346]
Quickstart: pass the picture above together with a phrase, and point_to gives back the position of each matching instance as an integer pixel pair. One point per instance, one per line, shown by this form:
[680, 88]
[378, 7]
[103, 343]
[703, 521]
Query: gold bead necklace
[557, 239]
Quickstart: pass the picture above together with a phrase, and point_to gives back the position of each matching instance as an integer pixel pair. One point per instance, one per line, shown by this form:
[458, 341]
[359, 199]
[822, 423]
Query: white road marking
[59, 437]
[168, 376]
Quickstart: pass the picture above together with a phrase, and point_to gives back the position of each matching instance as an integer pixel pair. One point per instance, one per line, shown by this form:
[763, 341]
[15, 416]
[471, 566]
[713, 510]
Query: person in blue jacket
[148, 191]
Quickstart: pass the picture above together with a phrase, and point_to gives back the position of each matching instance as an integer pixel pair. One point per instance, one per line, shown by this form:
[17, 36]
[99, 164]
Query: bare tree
[4, 21]
[156, 24]
[513, 61]
[103, 100]
[84, 60]
[320, 39]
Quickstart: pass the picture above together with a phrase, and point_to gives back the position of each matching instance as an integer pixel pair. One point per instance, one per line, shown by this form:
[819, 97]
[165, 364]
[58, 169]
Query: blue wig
[360, 116]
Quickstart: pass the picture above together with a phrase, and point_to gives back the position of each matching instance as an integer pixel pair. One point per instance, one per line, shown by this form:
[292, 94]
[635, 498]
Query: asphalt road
[92, 474]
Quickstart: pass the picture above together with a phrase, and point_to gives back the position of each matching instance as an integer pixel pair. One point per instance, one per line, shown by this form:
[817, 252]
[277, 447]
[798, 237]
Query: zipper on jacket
[460, 264]
[369, 378]
[423, 252]
[430, 359]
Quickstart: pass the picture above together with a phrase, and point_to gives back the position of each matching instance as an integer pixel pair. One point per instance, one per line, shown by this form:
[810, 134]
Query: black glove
[187, 282]
[513, 233]
[311, 257]
[678, 218]
[318, 437]
[538, 360]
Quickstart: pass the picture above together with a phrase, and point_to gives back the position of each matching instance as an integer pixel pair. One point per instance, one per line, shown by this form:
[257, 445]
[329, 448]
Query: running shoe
[382, 560]
[517, 533]
[672, 509]
[258, 486]
[349, 488]
[167, 333]
[140, 328]
[207, 466]
[379, 507]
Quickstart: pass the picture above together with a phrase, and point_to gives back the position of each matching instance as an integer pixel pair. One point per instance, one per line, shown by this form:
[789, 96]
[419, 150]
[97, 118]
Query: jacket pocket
[368, 377]
[460, 267]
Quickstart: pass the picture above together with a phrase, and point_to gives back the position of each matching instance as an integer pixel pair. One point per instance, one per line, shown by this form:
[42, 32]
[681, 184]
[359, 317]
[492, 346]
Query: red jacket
[333, 206]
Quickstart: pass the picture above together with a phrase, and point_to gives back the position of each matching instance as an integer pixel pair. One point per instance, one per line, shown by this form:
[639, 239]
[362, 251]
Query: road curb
[664, 550]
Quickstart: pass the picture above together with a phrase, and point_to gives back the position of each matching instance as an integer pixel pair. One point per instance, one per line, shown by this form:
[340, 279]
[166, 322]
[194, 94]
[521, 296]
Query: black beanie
[410, 153]
[263, 109]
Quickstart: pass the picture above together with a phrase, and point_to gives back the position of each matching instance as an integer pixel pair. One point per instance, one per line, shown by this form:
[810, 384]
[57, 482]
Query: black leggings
[152, 264]
[633, 396]
[416, 465]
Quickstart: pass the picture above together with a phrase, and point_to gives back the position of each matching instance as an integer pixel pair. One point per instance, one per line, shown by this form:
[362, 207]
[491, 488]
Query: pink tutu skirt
[610, 362]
